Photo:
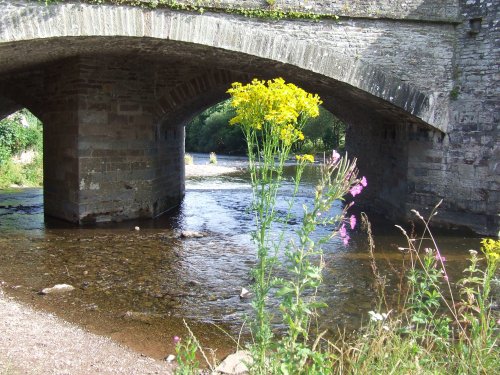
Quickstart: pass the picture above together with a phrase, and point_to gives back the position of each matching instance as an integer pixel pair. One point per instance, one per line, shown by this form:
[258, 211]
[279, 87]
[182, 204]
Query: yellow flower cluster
[491, 248]
[282, 105]
[305, 158]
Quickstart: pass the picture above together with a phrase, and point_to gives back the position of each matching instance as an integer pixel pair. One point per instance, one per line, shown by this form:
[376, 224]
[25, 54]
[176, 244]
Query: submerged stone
[192, 234]
[58, 288]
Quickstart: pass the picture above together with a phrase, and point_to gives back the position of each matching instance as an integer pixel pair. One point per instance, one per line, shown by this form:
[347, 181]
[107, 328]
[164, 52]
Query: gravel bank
[207, 170]
[33, 342]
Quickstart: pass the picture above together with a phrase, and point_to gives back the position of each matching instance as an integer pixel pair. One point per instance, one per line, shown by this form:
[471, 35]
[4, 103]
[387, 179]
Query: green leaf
[284, 291]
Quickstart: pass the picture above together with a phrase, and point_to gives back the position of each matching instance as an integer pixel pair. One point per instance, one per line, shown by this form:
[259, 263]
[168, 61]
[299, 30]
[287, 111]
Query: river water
[137, 286]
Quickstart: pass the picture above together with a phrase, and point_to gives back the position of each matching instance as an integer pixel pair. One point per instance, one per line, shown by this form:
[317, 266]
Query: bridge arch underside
[114, 111]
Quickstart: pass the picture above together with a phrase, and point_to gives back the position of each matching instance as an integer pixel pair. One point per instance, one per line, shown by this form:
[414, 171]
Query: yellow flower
[282, 105]
[491, 248]
[305, 158]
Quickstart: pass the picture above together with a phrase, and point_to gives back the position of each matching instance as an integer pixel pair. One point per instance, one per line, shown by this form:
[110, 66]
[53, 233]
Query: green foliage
[187, 349]
[461, 337]
[296, 353]
[30, 174]
[20, 132]
[187, 364]
[454, 93]
[208, 132]
[323, 133]
[475, 290]
[424, 301]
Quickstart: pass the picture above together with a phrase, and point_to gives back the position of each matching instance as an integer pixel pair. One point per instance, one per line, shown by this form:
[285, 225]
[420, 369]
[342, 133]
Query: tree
[209, 132]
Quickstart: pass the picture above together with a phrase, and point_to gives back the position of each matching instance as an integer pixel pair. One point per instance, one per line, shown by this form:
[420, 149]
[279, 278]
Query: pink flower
[352, 221]
[440, 258]
[343, 234]
[346, 240]
[335, 157]
[363, 181]
[343, 231]
[176, 339]
[355, 190]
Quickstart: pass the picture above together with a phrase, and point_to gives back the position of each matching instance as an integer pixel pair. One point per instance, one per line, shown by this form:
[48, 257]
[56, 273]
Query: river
[137, 286]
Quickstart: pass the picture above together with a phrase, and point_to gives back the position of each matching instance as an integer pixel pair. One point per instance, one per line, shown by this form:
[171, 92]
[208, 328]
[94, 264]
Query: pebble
[245, 293]
[234, 364]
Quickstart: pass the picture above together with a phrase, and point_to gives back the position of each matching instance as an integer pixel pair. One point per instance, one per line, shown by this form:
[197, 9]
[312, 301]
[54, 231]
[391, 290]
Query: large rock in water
[58, 288]
[235, 364]
[192, 234]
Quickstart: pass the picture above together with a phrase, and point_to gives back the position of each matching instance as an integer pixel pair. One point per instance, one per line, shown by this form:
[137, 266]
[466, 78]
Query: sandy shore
[33, 342]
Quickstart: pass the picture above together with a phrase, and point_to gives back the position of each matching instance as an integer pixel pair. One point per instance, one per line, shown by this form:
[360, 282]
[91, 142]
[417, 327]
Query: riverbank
[209, 170]
[33, 342]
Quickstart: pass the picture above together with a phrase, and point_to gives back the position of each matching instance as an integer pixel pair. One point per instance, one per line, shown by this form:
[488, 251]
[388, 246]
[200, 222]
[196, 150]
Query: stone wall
[473, 153]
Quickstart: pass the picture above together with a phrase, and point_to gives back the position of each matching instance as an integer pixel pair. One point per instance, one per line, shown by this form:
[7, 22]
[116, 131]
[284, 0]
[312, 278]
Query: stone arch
[249, 38]
[184, 101]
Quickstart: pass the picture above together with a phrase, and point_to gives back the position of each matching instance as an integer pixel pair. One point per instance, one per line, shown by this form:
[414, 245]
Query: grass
[443, 326]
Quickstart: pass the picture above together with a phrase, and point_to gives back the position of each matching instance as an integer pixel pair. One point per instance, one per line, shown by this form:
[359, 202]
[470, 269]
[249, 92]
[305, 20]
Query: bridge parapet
[447, 11]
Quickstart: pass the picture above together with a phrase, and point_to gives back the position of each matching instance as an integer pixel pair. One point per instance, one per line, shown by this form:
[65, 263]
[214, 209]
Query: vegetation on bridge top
[269, 11]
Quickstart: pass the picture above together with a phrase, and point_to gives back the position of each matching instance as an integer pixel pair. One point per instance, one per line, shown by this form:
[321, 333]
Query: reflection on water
[137, 286]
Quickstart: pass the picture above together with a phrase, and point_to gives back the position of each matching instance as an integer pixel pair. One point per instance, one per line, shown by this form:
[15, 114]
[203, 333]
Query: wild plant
[433, 332]
[212, 158]
[186, 350]
[271, 115]
[188, 159]
[479, 328]
[296, 353]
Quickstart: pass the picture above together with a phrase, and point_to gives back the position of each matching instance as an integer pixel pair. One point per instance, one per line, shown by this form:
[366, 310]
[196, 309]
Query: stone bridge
[416, 81]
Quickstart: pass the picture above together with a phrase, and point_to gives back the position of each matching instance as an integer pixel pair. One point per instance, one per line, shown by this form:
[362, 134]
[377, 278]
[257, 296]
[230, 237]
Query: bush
[20, 132]
[208, 132]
